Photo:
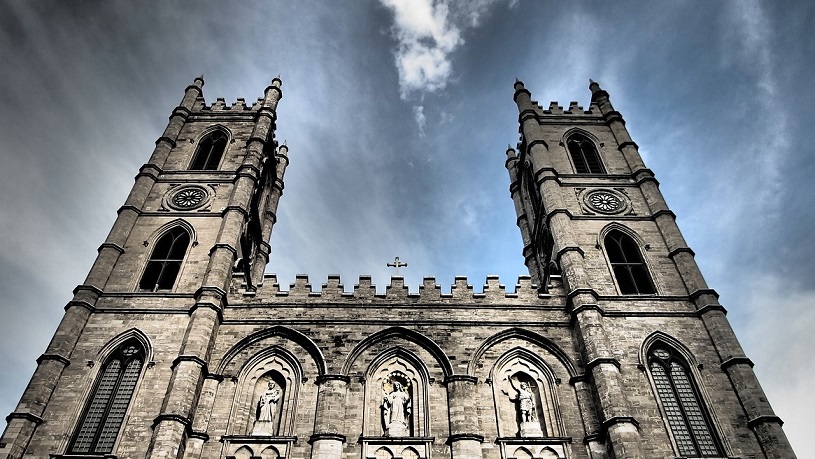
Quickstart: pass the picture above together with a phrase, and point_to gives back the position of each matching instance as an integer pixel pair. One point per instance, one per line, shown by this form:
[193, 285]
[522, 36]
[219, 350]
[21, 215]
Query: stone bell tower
[174, 346]
[591, 213]
[202, 207]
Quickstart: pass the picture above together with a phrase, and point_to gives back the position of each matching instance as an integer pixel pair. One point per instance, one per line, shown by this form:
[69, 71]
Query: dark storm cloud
[716, 95]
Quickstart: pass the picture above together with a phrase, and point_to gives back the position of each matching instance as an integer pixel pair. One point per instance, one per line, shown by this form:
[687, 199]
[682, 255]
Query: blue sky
[397, 114]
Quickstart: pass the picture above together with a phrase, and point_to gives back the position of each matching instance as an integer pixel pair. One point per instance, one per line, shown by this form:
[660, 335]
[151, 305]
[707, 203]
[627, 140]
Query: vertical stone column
[327, 440]
[168, 139]
[465, 438]
[761, 418]
[27, 416]
[198, 432]
[615, 410]
[594, 438]
[171, 426]
[270, 215]
[522, 218]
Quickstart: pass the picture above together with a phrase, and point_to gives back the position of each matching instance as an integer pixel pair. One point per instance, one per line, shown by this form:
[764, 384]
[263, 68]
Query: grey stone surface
[212, 342]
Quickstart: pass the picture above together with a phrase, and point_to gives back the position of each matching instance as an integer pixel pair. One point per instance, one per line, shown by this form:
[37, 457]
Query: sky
[397, 115]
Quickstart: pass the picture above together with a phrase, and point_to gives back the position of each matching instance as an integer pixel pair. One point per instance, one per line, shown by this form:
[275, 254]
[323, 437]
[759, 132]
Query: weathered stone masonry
[566, 366]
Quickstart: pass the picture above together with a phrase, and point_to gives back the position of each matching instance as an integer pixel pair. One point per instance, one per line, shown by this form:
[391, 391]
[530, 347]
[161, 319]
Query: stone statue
[529, 425]
[526, 402]
[267, 410]
[396, 411]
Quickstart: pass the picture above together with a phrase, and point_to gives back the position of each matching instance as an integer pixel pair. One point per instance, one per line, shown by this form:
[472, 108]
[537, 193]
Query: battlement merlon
[396, 292]
[531, 108]
[194, 101]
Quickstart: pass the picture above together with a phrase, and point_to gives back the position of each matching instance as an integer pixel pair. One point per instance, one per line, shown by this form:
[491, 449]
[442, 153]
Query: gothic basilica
[178, 346]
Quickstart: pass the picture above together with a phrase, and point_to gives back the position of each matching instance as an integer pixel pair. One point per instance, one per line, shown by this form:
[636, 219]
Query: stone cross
[397, 264]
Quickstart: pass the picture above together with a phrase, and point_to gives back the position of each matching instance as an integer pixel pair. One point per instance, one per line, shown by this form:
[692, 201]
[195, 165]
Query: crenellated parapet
[574, 109]
[220, 104]
[396, 292]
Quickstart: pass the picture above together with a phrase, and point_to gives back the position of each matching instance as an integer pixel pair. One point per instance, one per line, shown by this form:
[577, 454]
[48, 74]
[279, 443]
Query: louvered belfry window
[165, 261]
[682, 405]
[628, 265]
[209, 152]
[584, 155]
[105, 411]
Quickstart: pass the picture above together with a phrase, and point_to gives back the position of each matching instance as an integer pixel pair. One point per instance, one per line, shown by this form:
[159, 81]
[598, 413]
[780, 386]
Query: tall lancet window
[682, 405]
[210, 150]
[584, 155]
[628, 265]
[165, 261]
[533, 192]
[105, 411]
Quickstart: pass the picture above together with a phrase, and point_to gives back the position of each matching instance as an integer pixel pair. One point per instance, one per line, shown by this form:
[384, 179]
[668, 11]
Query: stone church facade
[178, 346]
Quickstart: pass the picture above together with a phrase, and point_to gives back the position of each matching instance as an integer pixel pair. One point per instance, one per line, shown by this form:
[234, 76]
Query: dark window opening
[209, 152]
[584, 155]
[683, 407]
[628, 265]
[533, 192]
[165, 262]
[105, 412]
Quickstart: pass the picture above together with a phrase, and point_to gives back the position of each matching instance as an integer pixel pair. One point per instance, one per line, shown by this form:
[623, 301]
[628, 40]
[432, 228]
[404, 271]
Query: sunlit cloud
[427, 32]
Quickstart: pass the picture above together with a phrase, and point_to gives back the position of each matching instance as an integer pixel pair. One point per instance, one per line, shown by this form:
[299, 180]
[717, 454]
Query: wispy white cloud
[421, 119]
[426, 38]
[748, 48]
[428, 31]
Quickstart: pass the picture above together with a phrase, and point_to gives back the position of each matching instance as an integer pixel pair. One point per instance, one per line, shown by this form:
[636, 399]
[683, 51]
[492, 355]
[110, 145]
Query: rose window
[189, 198]
[605, 202]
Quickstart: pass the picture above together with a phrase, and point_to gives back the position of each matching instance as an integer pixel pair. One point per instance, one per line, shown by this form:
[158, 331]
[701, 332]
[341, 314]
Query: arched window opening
[682, 405]
[210, 150]
[165, 261]
[584, 155]
[628, 265]
[533, 193]
[105, 411]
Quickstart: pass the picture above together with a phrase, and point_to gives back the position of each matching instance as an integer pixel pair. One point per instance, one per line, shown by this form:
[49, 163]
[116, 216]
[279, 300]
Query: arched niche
[525, 397]
[269, 402]
[396, 390]
[273, 365]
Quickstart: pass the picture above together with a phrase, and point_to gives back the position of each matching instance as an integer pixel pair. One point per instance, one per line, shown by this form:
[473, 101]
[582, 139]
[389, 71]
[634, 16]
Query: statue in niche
[526, 408]
[266, 415]
[396, 410]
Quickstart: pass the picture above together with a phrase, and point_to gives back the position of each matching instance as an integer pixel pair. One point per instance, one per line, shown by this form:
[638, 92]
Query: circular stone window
[605, 201]
[187, 198]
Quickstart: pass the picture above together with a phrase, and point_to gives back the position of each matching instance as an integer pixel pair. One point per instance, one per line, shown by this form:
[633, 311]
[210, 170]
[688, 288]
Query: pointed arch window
[627, 264]
[689, 422]
[209, 152]
[533, 192]
[584, 155]
[105, 411]
[165, 261]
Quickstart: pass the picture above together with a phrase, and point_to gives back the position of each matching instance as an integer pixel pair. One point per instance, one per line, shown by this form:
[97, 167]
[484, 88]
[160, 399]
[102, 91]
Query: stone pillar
[465, 439]
[327, 440]
[182, 396]
[270, 215]
[594, 438]
[168, 139]
[615, 412]
[761, 418]
[24, 420]
[198, 433]
[522, 221]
